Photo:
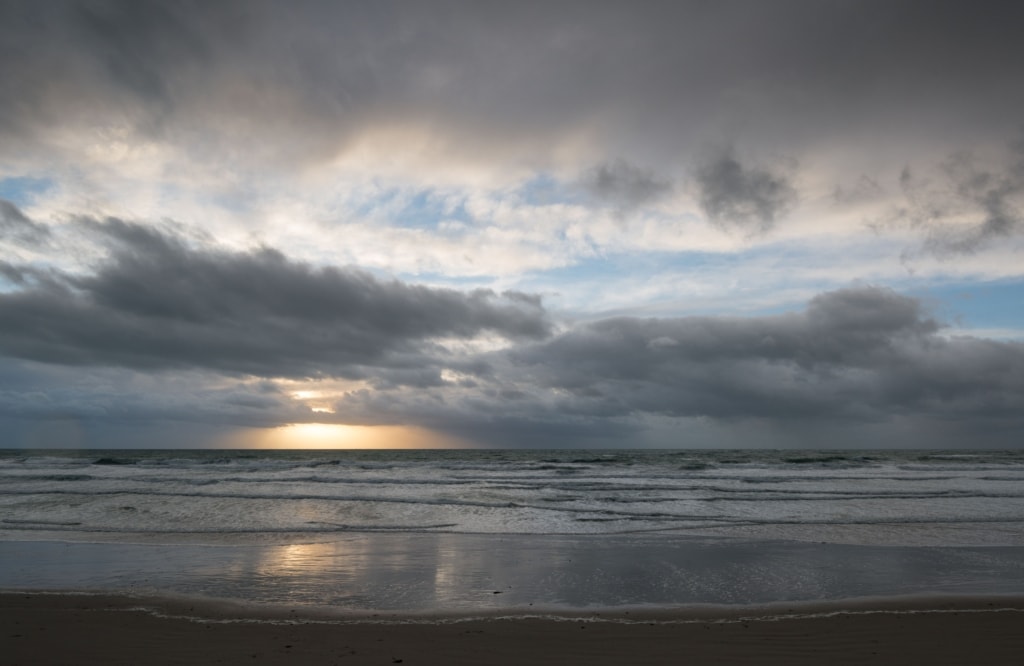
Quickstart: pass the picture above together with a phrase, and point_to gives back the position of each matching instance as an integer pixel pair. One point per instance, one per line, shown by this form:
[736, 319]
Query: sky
[770, 223]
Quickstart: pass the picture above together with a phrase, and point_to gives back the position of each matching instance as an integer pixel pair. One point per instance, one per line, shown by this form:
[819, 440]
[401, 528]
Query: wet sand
[460, 572]
[95, 629]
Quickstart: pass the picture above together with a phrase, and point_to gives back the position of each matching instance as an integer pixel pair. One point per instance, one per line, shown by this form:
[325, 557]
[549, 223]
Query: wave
[628, 524]
[49, 523]
[583, 489]
[38, 526]
[114, 461]
[519, 507]
[589, 484]
[45, 477]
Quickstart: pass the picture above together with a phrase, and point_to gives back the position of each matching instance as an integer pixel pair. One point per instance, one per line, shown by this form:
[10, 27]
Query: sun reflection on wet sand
[350, 572]
[387, 571]
[298, 559]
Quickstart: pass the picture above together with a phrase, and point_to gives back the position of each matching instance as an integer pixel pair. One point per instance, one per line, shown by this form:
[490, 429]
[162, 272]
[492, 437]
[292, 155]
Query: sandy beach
[76, 629]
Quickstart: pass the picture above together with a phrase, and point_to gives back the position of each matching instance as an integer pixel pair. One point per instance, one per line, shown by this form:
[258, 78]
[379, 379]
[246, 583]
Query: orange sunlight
[334, 436]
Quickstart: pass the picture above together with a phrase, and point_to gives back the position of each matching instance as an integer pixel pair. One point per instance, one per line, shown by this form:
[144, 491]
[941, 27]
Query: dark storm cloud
[305, 77]
[858, 359]
[155, 302]
[854, 354]
[140, 45]
[988, 197]
[498, 416]
[625, 185]
[749, 197]
[858, 356]
[30, 390]
[17, 228]
[15, 273]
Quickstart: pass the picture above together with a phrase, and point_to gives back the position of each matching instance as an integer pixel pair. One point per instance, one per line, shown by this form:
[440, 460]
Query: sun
[321, 436]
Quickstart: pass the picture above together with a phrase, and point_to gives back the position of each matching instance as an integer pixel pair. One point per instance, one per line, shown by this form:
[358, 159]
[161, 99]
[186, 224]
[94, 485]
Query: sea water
[901, 497]
[456, 529]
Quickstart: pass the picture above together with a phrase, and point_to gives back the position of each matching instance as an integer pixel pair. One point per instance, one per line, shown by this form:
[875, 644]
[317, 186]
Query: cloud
[310, 79]
[861, 357]
[155, 302]
[106, 395]
[625, 185]
[865, 189]
[857, 360]
[15, 227]
[420, 137]
[857, 354]
[967, 204]
[744, 196]
[140, 47]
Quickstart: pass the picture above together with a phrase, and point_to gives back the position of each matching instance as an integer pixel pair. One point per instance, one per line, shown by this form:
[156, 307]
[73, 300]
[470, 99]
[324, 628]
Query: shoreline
[205, 609]
[95, 628]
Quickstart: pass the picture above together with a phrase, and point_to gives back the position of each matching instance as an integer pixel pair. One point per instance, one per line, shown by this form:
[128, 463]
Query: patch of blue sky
[422, 209]
[757, 280]
[986, 306]
[587, 270]
[546, 190]
[428, 209]
[432, 208]
[23, 190]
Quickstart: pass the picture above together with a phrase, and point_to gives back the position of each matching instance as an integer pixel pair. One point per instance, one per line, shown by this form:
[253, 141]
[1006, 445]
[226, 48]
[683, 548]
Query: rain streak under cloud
[786, 223]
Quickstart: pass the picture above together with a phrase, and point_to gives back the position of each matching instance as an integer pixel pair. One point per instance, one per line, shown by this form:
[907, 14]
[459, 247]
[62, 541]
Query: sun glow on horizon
[322, 435]
[339, 436]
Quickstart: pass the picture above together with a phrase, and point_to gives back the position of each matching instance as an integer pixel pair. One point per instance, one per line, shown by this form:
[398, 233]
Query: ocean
[468, 530]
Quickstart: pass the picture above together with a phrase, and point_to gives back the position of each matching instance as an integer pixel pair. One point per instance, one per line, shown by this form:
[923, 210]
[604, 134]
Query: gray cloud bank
[858, 353]
[156, 303]
[161, 320]
[853, 368]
